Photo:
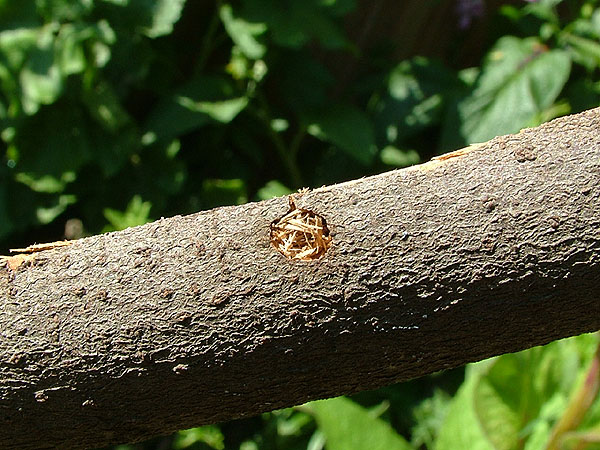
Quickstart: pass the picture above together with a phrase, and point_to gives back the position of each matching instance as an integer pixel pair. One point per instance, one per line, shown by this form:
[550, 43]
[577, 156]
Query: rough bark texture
[197, 319]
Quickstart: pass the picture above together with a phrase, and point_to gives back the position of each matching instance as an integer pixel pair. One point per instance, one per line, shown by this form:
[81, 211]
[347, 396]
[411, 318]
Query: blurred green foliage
[117, 112]
[191, 105]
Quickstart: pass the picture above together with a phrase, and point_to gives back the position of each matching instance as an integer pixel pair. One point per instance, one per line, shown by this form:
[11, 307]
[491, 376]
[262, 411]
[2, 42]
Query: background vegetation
[117, 112]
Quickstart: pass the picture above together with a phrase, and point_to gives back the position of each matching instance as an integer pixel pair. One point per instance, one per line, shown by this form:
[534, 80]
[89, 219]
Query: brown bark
[197, 319]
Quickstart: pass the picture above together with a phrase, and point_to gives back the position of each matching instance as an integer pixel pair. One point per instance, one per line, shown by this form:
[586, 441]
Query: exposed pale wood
[198, 319]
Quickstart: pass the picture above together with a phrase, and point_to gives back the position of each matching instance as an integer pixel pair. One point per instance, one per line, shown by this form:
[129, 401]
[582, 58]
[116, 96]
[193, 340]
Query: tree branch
[198, 319]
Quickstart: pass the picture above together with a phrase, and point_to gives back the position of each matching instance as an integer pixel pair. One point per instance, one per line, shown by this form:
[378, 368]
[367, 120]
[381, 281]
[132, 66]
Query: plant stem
[296, 141]
[287, 157]
[286, 154]
[578, 405]
[207, 41]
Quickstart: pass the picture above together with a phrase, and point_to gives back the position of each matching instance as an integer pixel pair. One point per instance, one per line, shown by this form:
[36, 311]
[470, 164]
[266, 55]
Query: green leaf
[46, 215]
[272, 189]
[243, 32]
[74, 40]
[413, 99]
[305, 82]
[249, 445]
[158, 172]
[348, 128]
[293, 24]
[223, 111]
[192, 106]
[16, 44]
[100, 49]
[113, 149]
[429, 416]
[586, 51]
[70, 52]
[544, 10]
[163, 13]
[136, 213]
[461, 428]
[105, 107]
[123, 446]
[291, 422]
[46, 183]
[338, 7]
[209, 435]
[317, 441]
[314, 24]
[53, 141]
[18, 15]
[498, 421]
[217, 192]
[513, 400]
[347, 425]
[40, 78]
[64, 10]
[130, 18]
[520, 78]
[393, 156]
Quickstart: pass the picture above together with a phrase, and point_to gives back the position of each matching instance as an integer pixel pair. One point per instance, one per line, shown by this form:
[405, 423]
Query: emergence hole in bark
[300, 234]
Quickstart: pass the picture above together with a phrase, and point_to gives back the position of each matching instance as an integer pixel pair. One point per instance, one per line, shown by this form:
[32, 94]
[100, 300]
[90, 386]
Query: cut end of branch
[41, 247]
[28, 253]
[300, 234]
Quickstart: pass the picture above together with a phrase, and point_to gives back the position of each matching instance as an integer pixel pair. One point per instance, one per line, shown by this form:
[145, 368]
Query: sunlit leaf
[164, 14]
[429, 417]
[393, 156]
[40, 77]
[222, 111]
[461, 428]
[73, 41]
[46, 183]
[194, 105]
[46, 215]
[71, 57]
[272, 189]
[347, 425]
[136, 213]
[291, 422]
[520, 78]
[515, 399]
[317, 441]
[219, 192]
[64, 10]
[413, 99]
[249, 445]
[543, 9]
[586, 51]
[210, 435]
[15, 45]
[243, 33]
